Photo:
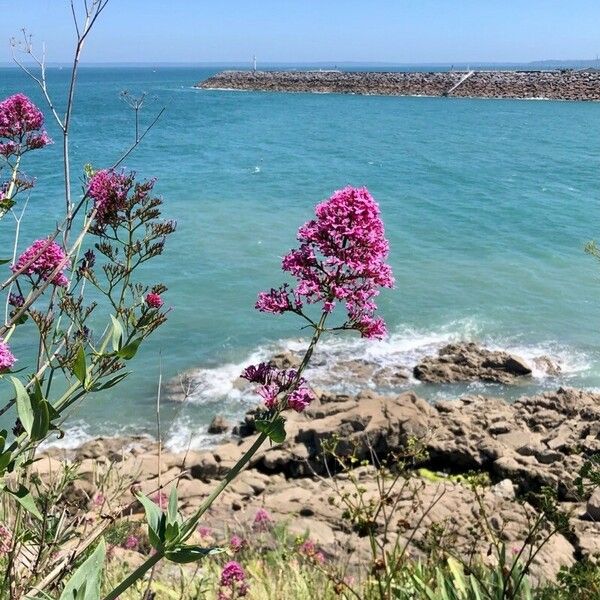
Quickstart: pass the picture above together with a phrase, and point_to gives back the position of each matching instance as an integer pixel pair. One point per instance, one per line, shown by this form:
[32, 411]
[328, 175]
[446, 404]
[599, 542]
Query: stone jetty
[554, 85]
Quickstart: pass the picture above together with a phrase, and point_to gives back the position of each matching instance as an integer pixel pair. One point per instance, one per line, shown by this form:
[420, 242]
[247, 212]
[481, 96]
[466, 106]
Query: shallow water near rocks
[487, 205]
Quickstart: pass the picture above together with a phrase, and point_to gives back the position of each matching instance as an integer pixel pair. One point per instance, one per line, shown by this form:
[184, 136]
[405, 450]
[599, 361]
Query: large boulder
[470, 362]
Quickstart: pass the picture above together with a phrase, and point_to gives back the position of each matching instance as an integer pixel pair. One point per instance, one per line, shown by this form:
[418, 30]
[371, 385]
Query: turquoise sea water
[487, 204]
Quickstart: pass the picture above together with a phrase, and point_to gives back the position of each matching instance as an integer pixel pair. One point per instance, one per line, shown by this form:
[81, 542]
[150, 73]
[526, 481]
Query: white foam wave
[350, 364]
[79, 434]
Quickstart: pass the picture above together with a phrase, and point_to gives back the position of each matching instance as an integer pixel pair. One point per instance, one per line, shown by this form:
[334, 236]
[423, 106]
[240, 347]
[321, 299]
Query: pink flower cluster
[262, 520]
[237, 544]
[131, 543]
[154, 300]
[5, 539]
[309, 549]
[233, 582]
[41, 259]
[275, 382]
[7, 358]
[20, 124]
[109, 191]
[341, 258]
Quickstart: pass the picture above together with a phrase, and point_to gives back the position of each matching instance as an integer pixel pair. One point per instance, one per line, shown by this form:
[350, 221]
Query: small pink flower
[232, 582]
[310, 550]
[262, 520]
[42, 258]
[7, 358]
[5, 539]
[237, 544]
[109, 192]
[131, 543]
[98, 500]
[205, 532]
[160, 498]
[20, 123]
[154, 300]
[300, 398]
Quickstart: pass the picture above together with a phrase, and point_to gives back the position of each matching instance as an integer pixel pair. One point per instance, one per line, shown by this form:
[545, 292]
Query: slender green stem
[190, 525]
[137, 574]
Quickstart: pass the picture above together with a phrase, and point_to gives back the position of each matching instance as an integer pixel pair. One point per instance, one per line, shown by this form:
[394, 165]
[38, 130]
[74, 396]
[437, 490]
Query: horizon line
[310, 63]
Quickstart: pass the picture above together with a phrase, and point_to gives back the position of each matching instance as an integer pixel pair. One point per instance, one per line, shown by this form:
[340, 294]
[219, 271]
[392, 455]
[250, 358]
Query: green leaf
[24, 408]
[25, 499]
[274, 429]
[171, 532]
[117, 333]
[110, 383]
[156, 521]
[85, 582]
[79, 366]
[4, 261]
[41, 420]
[4, 461]
[188, 554]
[129, 351]
[153, 512]
[172, 514]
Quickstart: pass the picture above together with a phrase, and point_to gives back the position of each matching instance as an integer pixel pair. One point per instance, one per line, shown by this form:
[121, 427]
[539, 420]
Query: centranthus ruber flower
[154, 300]
[341, 259]
[42, 258]
[113, 193]
[279, 388]
[7, 358]
[232, 583]
[21, 125]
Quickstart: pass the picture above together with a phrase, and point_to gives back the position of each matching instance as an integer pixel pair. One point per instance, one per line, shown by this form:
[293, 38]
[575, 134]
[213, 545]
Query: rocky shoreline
[555, 85]
[520, 448]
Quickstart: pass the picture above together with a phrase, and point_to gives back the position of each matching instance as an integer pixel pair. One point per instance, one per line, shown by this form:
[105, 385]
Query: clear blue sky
[398, 31]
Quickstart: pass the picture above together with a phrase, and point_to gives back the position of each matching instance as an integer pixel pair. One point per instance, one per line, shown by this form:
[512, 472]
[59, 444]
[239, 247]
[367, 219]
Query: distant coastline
[563, 84]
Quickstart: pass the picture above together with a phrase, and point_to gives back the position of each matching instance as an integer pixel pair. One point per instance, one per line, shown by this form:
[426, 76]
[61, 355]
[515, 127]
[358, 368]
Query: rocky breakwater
[522, 447]
[557, 85]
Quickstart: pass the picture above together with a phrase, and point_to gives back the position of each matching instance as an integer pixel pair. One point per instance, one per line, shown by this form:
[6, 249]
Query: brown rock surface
[468, 361]
[535, 442]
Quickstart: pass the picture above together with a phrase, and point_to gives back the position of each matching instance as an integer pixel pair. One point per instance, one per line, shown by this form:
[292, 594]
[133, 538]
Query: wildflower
[205, 532]
[237, 544]
[5, 539]
[232, 582]
[309, 549]
[300, 398]
[341, 259]
[41, 259]
[262, 520]
[275, 382]
[154, 300]
[98, 499]
[109, 192]
[160, 498]
[21, 123]
[7, 358]
[131, 543]
[16, 300]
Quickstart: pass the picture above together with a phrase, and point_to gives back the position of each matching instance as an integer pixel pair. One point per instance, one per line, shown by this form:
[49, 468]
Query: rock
[286, 360]
[469, 362]
[218, 425]
[504, 489]
[592, 508]
[546, 364]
